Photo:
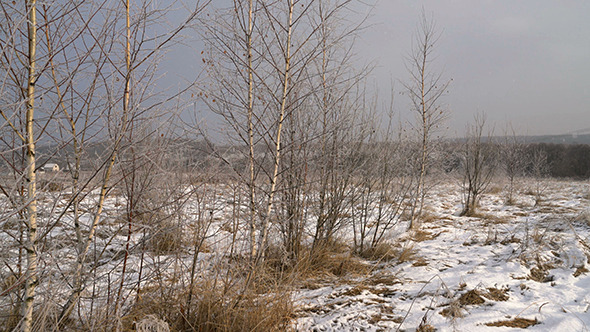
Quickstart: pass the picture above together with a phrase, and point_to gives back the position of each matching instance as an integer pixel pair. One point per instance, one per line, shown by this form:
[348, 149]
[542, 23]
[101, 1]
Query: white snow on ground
[520, 261]
[502, 248]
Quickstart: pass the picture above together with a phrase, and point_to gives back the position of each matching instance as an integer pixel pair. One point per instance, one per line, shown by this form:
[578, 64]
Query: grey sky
[522, 62]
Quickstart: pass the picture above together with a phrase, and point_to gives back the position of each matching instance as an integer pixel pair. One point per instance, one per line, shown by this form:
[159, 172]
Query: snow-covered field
[512, 266]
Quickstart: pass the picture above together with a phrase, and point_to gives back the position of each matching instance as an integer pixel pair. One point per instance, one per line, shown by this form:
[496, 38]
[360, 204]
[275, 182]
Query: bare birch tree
[384, 183]
[31, 243]
[19, 77]
[425, 89]
[538, 169]
[479, 160]
[512, 160]
[259, 55]
[78, 97]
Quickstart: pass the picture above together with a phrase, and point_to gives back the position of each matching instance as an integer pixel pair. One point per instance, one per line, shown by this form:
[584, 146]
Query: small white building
[50, 167]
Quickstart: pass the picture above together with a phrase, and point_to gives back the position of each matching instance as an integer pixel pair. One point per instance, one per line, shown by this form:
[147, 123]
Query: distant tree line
[565, 160]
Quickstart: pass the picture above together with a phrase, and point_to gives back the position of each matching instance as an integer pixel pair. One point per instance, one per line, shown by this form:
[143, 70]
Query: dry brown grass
[51, 185]
[428, 217]
[323, 263]
[383, 278]
[580, 270]
[420, 261]
[382, 252]
[495, 190]
[453, 310]
[517, 322]
[490, 219]
[407, 254]
[216, 307]
[152, 323]
[271, 312]
[9, 317]
[166, 236]
[425, 328]
[539, 274]
[496, 294]
[361, 288]
[511, 239]
[333, 261]
[583, 217]
[420, 236]
[472, 297]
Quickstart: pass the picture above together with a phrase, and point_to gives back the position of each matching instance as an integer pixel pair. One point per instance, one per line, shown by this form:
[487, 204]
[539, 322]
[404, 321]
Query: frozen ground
[518, 266]
[522, 265]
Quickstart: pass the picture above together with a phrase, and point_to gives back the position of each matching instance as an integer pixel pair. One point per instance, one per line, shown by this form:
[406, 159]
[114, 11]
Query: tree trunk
[31, 242]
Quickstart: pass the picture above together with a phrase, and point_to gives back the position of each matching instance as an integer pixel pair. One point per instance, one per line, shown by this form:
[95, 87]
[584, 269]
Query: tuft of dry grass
[420, 236]
[472, 297]
[383, 278]
[580, 270]
[511, 239]
[517, 322]
[495, 190]
[271, 312]
[382, 252]
[453, 310]
[583, 217]
[215, 308]
[427, 218]
[166, 237]
[407, 254]
[540, 274]
[51, 186]
[359, 289]
[329, 261]
[420, 261]
[425, 328]
[10, 317]
[490, 219]
[152, 323]
[472, 214]
[496, 294]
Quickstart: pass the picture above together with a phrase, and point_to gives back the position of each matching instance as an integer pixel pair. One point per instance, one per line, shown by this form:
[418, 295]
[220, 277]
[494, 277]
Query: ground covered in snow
[511, 267]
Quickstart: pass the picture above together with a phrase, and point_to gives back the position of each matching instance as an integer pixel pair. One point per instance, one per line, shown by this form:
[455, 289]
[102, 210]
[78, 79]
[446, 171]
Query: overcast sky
[522, 62]
[526, 62]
